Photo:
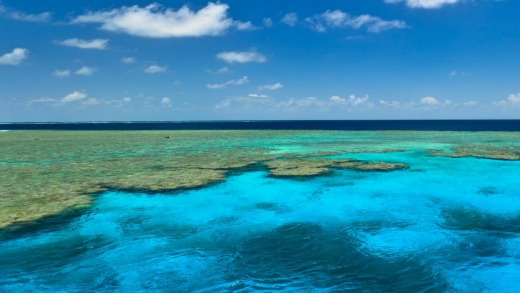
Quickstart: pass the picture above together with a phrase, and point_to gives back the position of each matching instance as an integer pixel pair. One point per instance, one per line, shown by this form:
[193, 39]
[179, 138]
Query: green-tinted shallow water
[45, 173]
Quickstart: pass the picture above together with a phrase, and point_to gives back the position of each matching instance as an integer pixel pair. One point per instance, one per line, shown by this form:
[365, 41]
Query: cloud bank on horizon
[259, 60]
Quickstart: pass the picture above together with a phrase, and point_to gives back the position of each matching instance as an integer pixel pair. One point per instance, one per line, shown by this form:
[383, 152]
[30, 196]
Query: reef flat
[44, 173]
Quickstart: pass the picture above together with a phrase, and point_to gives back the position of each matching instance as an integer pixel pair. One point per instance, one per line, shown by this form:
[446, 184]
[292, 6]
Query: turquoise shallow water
[444, 225]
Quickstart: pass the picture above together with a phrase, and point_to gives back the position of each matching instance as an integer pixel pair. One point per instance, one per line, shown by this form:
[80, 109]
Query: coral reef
[313, 166]
[44, 173]
[479, 151]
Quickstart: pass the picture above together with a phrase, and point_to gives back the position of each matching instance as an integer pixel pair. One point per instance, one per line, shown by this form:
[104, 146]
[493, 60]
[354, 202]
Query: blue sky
[270, 59]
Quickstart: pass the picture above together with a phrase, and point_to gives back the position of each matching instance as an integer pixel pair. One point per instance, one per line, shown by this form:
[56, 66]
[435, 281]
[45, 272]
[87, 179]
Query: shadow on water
[43, 225]
[302, 256]
[460, 218]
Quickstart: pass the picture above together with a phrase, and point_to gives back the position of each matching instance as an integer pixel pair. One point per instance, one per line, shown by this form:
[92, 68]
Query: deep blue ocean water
[444, 225]
[434, 125]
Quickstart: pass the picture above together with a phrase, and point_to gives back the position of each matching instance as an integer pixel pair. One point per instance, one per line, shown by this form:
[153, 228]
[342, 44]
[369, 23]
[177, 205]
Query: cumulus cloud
[425, 4]
[22, 16]
[221, 70]
[43, 100]
[98, 44]
[259, 102]
[15, 57]
[61, 73]
[155, 69]
[271, 87]
[74, 96]
[156, 21]
[339, 19]
[512, 100]
[91, 102]
[290, 19]
[232, 82]
[258, 96]
[429, 101]
[267, 22]
[166, 101]
[79, 97]
[470, 103]
[244, 26]
[85, 70]
[42, 17]
[424, 103]
[248, 102]
[389, 104]
[352, 100]
[293, 104]
[128, 60]
[242, 57]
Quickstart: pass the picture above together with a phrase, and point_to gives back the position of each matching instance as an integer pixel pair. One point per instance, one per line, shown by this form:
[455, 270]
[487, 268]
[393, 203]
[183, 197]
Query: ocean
[298, 206]
[431, 125]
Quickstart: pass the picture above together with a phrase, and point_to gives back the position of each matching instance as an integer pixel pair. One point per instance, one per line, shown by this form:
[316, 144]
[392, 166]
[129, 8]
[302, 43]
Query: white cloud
[83, 98]
[241, 81]
[22, 16]
[166, 101]
[155, 69]
[340, 19]
[91, 102]
[99, 44]
[430, 101]
[389, 104]
[290, 19]
[426, 4]
[352, 100]
[244, 26]
[271, 87]
[15, 57]
[85, 70]
[224, 69]
[74, 96]
[242, 57]
[221, 70]
[514, 99]
[61, 73]
[155, 21]
[456, 73]
[248, 102]
[43, 100]
[42, 17]
[293, 104]
[424, 103]
[267, 22]
[264, 102]
[470, 103]
[501, 104]
[258, 96]
[128, 60]
[337, 100]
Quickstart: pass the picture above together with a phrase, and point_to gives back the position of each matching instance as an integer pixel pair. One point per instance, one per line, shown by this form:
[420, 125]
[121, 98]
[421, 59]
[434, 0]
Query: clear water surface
[444, 225]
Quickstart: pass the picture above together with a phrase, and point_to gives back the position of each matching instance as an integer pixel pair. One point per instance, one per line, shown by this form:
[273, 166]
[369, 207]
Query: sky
[258, 60]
